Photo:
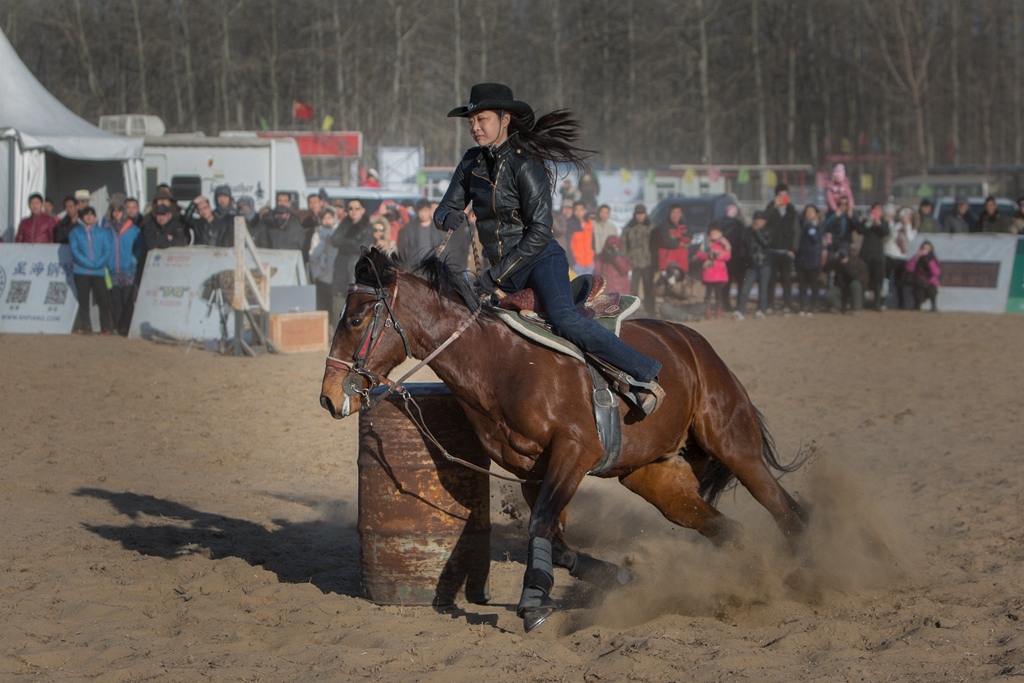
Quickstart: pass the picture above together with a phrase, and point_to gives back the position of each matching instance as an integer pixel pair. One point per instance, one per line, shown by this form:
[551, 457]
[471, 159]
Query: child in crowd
[714, 252]
[809, 260]
[838, 186]
[923, 270]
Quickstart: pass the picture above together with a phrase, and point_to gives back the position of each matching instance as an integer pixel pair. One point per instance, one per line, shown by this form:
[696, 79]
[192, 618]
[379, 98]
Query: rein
[360, 380]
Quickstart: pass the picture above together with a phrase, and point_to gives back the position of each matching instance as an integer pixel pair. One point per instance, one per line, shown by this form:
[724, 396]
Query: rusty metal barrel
[424, 522]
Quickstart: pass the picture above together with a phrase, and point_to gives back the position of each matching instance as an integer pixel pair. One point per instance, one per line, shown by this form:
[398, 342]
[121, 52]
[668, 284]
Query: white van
[249, 165]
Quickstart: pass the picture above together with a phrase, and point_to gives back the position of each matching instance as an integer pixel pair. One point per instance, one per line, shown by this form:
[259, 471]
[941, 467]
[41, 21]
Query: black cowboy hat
[494, 97]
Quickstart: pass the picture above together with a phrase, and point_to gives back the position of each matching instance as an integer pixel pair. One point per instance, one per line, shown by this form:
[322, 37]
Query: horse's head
[368, 342]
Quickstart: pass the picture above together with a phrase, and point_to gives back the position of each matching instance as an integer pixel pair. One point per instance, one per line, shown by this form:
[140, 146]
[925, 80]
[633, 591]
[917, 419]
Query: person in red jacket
[713, 254]
[671, 240]
[613, 265]
[37, 228]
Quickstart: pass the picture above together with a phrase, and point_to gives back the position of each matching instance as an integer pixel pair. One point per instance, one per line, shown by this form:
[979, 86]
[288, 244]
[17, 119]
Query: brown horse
[531, 408]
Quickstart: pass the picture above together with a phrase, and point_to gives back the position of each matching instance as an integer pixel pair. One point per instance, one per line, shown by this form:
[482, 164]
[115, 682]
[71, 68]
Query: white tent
[47, 148]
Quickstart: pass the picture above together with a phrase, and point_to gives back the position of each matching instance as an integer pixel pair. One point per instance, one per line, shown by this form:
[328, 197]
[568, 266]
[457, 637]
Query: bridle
[360, 380]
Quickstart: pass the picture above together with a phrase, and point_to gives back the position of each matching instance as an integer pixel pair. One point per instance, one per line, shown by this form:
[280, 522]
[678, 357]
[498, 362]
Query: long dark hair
[552, 139]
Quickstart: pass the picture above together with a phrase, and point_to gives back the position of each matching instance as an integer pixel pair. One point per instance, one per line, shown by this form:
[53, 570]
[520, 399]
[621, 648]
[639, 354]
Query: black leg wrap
[598, 572]
[534, 605]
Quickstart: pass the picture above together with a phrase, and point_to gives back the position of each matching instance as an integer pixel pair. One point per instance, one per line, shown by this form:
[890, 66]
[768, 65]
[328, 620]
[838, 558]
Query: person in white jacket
[321, 258]
[897, 252]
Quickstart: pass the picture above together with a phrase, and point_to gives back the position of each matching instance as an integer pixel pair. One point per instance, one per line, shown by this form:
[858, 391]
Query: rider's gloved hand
[453, 220]
[485, 286]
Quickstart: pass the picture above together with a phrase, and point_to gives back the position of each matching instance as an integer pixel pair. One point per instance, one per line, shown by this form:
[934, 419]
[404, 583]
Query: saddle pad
[530, 325]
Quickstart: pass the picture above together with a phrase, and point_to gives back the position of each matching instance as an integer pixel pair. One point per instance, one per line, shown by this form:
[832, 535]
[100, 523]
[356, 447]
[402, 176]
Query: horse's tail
[718, 478]
[771, 456]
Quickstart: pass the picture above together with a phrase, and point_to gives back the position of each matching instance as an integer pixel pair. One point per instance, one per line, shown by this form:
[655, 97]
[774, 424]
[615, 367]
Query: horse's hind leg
[738, 444]
[671, 486]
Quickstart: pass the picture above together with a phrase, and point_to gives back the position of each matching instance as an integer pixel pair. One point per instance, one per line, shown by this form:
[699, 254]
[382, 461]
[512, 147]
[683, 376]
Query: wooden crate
[299, 331]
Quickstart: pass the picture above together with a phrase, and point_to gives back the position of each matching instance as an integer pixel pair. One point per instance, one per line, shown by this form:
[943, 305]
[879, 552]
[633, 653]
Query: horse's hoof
[600, 573]
[535, 617]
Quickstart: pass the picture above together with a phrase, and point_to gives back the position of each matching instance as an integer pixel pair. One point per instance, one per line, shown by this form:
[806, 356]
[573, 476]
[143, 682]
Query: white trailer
[249, 165]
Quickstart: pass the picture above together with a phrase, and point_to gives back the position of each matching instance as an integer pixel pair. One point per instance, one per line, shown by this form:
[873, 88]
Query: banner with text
[185, 291]
[976, 270]
[37, 289]
[1015, 300]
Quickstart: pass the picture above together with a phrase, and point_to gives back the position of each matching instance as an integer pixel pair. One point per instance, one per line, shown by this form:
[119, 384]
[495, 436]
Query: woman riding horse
[505, 178]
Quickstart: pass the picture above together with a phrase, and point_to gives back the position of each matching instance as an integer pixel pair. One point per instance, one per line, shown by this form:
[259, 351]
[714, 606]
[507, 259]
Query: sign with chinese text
[37, 289]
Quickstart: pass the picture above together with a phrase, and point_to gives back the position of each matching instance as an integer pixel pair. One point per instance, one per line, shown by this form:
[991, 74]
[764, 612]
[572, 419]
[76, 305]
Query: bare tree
[906, 45]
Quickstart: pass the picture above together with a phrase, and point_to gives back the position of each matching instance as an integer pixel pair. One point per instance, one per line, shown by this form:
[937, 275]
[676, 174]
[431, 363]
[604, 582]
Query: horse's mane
[377, 268]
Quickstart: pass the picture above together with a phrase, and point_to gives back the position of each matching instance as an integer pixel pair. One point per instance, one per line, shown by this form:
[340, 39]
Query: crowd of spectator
[837, 258]
[833, 257]
[109, 252]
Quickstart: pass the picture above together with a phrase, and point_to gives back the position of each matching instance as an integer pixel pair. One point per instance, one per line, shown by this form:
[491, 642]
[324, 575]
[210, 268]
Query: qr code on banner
[18, 293]
[56, 293]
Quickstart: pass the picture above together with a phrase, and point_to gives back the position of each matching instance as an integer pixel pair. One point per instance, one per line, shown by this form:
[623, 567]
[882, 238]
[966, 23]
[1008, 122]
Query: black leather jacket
[511, 197]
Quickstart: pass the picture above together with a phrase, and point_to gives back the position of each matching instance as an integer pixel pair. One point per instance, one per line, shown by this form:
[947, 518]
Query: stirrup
[648, 396]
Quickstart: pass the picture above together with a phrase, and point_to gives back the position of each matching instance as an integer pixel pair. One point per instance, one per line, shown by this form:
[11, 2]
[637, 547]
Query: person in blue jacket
[129, 250]
[91, 248]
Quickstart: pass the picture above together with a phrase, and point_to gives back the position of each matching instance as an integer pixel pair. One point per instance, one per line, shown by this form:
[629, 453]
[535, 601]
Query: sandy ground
[172, 515]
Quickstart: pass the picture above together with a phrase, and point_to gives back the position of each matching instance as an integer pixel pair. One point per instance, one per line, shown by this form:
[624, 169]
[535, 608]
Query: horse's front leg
[548, 507]
[600, 573]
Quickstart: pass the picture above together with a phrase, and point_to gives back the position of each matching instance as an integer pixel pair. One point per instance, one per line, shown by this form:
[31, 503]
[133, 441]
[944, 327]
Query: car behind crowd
[698, 212]
[975, 207]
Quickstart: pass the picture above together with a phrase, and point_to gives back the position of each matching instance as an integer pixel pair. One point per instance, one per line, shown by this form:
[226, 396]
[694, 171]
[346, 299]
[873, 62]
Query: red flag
[301, 111]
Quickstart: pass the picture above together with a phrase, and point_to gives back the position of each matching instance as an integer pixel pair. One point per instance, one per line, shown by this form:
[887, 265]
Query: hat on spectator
[494, 97]
[162, 209]
[82, 195]
[960, 199]
[222, 190]
[162, 193]
[639, 208]
[759, 215]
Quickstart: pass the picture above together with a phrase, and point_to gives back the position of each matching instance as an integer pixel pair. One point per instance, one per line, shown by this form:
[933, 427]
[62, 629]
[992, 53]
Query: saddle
[522, 311]
[519, 311]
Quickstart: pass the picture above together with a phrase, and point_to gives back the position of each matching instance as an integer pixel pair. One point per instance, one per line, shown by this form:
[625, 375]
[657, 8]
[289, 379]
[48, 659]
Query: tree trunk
[141, 56]
[481, 18]
[954, 79]
[707, 152]
[190, 76]
[816, 86]
[1018, 74]
[607, 83]
[86, 54]
[225, 65]
[791, 106]
[457, 77]
[344, 110]
[631, 123]
[275, 91]
[556, 49]
[320, 98]
[755, 54]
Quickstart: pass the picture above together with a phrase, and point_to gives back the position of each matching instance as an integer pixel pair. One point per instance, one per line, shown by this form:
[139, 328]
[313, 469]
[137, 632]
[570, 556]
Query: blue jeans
[762, 275]
[547, 275]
